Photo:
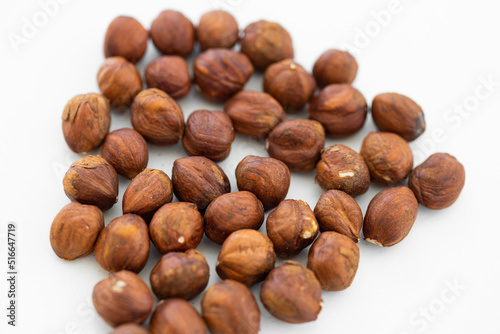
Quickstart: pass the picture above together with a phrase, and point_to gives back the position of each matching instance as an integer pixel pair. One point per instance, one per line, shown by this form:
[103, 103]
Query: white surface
[433, 51]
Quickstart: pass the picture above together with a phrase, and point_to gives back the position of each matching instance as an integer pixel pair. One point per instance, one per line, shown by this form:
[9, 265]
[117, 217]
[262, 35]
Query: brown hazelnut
[127, 151]
[390, 216]
[297, 143]
[181, 275]
[86, 120]
[253, 113]
[397, 113]
[267, 178]
[198, 180]
[92, 180]
[334, 259]
[130, 328]
[169, 74]
[176, 316]
[209, 134]
[119, 81]
[340, 108]
[344, 169]
[292, 293]
[438, 181]
[123, 244]
[266, 43]
[176, 227]
[388, 157]
[290, 84]
[335, 67]
[172, 33]
[338, 212]
[75, 229]
[291, 227]
[231, 212]
[217, 29]
[229, 307]
[221, 73]
[126, 38]
[157, 117]
[122, 298]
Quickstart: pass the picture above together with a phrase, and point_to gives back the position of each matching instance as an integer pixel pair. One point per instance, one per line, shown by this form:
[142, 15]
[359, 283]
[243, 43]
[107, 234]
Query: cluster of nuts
[290, 291]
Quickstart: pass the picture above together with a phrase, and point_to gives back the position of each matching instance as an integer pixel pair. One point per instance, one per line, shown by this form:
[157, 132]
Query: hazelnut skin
[173, 34]
[176, 316]
[217, 29]
[335, 67]
[169, 74]
[130, 328]
[126, 38]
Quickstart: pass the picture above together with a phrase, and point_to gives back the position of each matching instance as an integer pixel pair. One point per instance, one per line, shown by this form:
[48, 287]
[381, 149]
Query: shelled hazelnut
[169, 74]
[126, 38]
[173, 33]
[176, 316]
[217, 29]
[335, 67]
[130, 328]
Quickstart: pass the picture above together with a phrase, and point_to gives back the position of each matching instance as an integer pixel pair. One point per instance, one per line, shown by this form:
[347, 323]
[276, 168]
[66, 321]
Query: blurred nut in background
[217, 29]
[126, 38]
[176, 316]
[130, 328]
[173, 33]
[169, 74]
[335, 67]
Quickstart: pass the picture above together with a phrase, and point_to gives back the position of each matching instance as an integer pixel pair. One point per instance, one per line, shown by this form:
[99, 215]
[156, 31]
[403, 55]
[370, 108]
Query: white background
[436, 52]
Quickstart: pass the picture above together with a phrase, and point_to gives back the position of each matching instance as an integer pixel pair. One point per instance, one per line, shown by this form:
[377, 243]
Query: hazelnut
[172, 33]
[388, 157]
[221, 73]
[338, 212]
[127, 151]
[246, 256]
[92, 180]
[438, 181]
[198, 180]
[291, 227]
[75, 229]
[344, 169]
[119, 81]
[335, 67]
[130, 328]
[253, 113]
[334, 259]
[126, 38]
[297, 143]
[292, 293]
[340, 108]
[176, 316]
[181, 275]
[266, 43]
[230, 307]
[267, 178]
[123, 244]
[169, 74]
[231, 212]
[122, 298]
[157, 117]
[176, 227]
[209, 134]
[390, 216]
[397, 113]
[217, 29]
[290, 84]
[86, 120]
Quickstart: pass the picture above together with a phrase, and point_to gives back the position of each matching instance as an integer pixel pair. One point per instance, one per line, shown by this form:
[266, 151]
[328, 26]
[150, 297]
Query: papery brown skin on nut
[335, 67]
[390, 216]
[131, 328]
[176, 316]
[173, 33]
[126, 38]
[217, 29]
[169, 74]
[438, 181]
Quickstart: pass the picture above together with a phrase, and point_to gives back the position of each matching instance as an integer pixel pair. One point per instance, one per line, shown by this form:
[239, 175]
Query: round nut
[217, 29]
[335, 67]
[176, 316]
[169, 74]
[131, 328]
[126, 38]
[172, 33]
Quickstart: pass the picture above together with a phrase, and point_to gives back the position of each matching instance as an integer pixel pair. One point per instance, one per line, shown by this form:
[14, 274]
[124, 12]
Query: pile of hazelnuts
[291, 291]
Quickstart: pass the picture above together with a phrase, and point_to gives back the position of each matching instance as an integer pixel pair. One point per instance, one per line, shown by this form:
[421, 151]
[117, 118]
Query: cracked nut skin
[92, 180]
[217, 29]
[127, 151]
[198, 180]
[176, 227]
[246, 256]
[297, 143]
[122, 298]
[335, 67]
[344, 169]
[169, 74]
[180, 275]
[232, 212]
[267, 178]
[388, 157]
[291, 227]
[390, 216]
[338, 212]
[74, 231]
[123, 244]
[176, 316]
[292, 293]
[229, 307]
[397, 113]
[126, 38]
[438, 181]
[130, 328]
[86, 120]
[173, 33]
[334, 259]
